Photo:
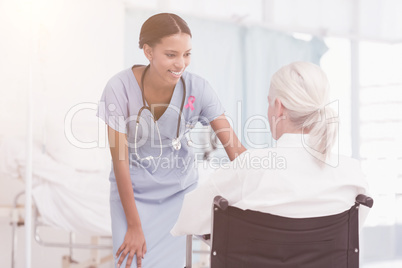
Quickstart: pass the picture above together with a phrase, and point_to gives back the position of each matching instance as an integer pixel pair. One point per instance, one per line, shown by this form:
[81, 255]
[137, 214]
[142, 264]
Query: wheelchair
[252, 239]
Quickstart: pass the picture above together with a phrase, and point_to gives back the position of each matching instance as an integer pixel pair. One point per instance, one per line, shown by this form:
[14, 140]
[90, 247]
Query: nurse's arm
[227, 137]
[134, 241]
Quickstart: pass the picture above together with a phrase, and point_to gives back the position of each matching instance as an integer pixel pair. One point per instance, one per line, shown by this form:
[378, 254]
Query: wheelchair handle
[221, 202]
[364, 200]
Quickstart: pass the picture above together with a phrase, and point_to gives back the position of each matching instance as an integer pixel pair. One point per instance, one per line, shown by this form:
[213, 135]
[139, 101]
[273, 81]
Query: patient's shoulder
[272, 151]
[259, 159]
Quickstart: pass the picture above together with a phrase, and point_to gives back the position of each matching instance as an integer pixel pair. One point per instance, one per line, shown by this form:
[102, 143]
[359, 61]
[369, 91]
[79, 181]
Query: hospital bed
[71, 191]
[72, 197]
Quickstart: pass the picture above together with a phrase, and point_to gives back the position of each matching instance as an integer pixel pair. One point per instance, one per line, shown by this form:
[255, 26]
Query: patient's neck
[287, 127]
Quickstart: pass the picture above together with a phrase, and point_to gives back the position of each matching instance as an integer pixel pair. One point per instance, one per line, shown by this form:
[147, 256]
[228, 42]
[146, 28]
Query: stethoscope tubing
[176, 141]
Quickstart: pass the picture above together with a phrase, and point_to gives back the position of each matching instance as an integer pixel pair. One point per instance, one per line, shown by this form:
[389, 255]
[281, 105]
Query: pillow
[73, 139]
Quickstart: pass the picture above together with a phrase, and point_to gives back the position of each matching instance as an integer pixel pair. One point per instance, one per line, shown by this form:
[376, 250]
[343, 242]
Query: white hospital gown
[286, 181]
[159, 185]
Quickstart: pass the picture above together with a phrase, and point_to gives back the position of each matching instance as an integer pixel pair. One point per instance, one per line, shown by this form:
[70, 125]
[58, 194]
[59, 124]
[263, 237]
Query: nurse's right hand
[134, 244]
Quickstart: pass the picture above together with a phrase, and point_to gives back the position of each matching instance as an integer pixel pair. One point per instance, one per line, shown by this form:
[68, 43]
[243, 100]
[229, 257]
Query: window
[381, 128]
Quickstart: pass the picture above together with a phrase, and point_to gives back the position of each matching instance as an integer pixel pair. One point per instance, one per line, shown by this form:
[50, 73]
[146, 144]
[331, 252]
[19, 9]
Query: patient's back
[288, 181]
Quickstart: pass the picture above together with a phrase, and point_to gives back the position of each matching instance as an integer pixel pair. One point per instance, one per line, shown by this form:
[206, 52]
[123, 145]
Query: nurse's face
[170, 57]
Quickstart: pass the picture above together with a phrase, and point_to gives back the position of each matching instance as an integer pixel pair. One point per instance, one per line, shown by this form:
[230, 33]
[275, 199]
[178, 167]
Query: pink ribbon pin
[191, 100]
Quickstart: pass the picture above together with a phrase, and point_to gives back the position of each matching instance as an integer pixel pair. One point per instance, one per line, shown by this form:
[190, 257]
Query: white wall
[79, 46]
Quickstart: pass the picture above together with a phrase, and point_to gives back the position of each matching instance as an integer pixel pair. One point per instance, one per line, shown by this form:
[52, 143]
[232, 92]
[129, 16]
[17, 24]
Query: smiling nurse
[148, 110]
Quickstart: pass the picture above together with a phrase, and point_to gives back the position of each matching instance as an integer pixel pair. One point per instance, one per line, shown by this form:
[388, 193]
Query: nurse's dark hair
[160, 25]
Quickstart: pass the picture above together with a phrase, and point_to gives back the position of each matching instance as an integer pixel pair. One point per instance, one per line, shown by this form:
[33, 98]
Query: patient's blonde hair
[303, 89]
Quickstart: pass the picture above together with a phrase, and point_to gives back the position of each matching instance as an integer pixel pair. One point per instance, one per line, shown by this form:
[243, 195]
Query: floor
[388, 264]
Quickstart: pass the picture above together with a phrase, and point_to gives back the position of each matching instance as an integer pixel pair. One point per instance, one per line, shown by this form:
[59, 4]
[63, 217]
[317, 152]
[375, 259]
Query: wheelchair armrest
[364, 200]
[221, 202]
[206, 237]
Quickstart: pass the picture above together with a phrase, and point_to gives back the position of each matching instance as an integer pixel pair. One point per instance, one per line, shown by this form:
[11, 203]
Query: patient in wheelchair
[300, 175]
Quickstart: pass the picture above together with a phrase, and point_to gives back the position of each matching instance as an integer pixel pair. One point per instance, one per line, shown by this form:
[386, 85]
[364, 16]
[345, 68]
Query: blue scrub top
[160, 185]
[175, 170]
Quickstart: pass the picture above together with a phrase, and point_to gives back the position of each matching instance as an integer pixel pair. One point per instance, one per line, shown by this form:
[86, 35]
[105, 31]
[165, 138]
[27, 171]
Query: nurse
[153, 164]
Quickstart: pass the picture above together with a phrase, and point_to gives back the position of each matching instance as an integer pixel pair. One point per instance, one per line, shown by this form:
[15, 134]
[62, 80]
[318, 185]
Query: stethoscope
[176, 144]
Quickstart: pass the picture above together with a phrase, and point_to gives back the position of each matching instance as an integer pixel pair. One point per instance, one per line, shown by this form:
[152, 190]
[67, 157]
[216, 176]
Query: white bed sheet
[67, 198]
